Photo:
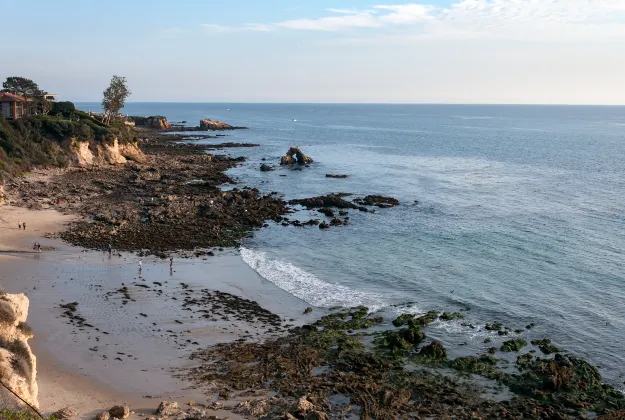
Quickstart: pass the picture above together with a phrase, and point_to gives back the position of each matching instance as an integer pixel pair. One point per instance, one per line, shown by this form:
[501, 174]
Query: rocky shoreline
[346, 364]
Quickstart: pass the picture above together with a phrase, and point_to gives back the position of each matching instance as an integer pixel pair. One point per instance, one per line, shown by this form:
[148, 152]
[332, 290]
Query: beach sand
[38, 223]
[132, 352]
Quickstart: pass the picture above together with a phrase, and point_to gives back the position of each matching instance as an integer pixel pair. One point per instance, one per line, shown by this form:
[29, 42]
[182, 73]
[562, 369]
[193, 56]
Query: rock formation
[18, 369]
[295, 155]
[207, 124]
[378, 201]
[157, 122]
[87, 154]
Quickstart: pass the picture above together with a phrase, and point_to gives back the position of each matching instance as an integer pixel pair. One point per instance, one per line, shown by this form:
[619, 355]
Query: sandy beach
[137, 342]
[38, 223]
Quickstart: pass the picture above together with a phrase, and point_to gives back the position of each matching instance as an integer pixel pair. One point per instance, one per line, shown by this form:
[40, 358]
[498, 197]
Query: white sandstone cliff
[18, 365]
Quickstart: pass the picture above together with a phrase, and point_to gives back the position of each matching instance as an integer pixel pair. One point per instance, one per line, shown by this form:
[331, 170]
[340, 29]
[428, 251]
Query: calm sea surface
[512, 213]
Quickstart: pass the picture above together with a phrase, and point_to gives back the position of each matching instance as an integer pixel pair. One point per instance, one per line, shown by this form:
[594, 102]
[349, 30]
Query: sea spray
[307, 286]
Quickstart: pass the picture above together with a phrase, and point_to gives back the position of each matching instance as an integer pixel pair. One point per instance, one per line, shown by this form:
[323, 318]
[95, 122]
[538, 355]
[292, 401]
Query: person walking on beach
[24, 225]
[19, 225]
[171, 265]
[140, 267]
[110, 249]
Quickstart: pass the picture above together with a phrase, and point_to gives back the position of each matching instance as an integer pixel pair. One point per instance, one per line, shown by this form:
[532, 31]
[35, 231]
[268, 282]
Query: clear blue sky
[445, 51]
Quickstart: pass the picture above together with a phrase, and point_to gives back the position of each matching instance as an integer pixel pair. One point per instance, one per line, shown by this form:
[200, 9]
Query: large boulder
[295, 155]
[157, 122]
[207, 124]
[434, 350]
[168, 408]
[65, 413]
[120, 412]
[378, 201]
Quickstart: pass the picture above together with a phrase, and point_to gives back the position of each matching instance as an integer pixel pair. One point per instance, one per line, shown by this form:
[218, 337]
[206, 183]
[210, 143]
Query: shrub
[64, 108]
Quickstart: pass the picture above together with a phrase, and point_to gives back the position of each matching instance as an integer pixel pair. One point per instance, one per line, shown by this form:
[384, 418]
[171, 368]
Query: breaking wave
[307, 286]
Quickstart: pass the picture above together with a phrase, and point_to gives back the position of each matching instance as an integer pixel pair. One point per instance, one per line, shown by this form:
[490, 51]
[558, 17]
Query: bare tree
[114, 98]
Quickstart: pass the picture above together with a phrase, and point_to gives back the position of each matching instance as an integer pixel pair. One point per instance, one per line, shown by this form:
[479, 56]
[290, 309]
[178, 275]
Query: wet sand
[133, 349]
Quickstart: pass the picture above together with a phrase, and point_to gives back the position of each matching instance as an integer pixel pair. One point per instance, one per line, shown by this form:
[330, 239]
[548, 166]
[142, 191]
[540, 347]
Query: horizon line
[368, 103]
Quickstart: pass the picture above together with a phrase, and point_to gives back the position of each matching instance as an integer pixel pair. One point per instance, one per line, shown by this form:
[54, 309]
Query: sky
[347, 51]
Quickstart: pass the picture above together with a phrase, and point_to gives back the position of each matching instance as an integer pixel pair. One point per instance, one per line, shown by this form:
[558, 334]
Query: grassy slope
[44, 140]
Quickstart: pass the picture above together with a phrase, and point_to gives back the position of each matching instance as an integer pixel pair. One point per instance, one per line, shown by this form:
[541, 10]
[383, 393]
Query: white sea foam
[307, 286]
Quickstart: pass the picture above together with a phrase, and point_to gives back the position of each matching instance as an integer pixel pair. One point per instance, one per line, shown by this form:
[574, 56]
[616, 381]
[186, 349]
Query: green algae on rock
[324, 360]
[513, 345]
[545, 346]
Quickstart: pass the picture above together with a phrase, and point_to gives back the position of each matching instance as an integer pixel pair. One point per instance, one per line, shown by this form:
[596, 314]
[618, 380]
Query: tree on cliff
[114, 98]
[22, 86]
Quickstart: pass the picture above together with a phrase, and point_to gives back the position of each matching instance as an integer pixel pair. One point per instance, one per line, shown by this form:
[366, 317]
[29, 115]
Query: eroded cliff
[18, 365]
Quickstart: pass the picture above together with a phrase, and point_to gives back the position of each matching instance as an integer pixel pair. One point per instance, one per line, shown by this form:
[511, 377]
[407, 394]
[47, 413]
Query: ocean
[508, 213]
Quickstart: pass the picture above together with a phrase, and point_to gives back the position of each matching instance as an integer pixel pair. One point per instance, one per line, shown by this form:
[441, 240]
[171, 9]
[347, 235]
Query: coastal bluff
[84, 153]
[18, 367]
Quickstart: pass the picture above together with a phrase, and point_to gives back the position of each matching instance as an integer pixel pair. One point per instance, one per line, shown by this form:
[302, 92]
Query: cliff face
[18, 365]
[86, 154]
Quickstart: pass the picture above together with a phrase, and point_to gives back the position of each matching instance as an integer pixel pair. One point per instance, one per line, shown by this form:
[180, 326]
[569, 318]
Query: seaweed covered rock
[357, 318]
[400, 342]
[378, 201]
[330, 200]
[545, 346]
[495, 326]
[266, 168]
[513, 345]
[414, 320]
[295, 155]
[450, 316]
[435, 350]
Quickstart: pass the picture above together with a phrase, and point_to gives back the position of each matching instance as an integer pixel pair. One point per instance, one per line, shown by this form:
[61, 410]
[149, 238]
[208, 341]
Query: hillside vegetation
[45, 140]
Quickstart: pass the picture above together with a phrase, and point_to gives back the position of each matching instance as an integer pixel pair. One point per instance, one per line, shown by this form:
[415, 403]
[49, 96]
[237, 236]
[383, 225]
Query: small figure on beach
[37, 247]
[171, 265]
[140, 266]
[24, 225]
[110, 249]
[19, 225]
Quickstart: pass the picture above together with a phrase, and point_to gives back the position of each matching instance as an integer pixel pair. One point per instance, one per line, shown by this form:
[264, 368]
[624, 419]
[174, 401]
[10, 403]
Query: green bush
[64, 108]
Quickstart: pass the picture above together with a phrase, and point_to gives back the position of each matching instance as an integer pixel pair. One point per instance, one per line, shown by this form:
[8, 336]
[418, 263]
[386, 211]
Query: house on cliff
[12, 106]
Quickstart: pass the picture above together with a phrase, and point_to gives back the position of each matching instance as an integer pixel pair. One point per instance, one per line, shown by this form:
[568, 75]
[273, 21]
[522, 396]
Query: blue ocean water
[510, 213]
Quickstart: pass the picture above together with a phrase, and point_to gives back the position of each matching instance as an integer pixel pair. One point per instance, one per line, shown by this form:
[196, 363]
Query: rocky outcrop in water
[207, 124]
[330, 200]
[295, 155]
[18, 368]
[378, 201]
[156, 122]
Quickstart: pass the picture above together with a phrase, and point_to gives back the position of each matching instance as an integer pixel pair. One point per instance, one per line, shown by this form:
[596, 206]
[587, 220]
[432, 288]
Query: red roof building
[12, 106]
